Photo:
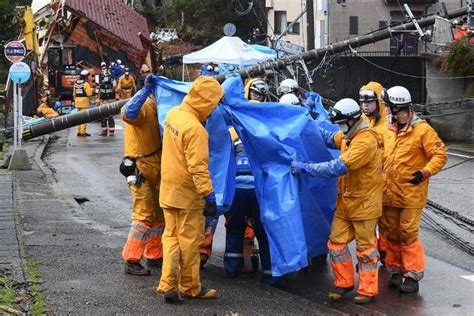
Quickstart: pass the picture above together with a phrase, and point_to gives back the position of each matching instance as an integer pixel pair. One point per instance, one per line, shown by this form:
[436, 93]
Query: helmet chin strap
[352, 128]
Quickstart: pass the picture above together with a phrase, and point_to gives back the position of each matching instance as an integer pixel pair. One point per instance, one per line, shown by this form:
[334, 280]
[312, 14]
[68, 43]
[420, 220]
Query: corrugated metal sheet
[114, 16]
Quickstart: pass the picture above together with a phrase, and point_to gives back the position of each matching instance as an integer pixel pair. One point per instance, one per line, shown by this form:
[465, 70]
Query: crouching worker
[359, 200]
[141, 166]
[187, 194]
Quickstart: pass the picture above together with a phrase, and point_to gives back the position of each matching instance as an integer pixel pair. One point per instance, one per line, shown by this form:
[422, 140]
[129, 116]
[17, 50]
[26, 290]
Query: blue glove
[298, 167]
[133, 106]
[211, 197]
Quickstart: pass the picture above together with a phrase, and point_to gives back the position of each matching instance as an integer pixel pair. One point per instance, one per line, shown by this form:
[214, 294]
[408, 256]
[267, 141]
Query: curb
[38, 158]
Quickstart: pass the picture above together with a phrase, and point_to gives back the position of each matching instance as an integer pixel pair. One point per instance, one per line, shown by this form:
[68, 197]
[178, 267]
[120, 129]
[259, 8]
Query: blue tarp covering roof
[295, 210]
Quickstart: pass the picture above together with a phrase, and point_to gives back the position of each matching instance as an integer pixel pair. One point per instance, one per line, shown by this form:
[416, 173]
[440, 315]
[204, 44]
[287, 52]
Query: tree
[201, 22]
[460, 62]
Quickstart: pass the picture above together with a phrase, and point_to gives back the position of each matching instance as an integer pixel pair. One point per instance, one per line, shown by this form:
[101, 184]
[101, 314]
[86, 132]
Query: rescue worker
[245, 207]
[288, 86]
[107, 124]
[141, 166]
[413, 153]
[126, 85]
[256, 90]
[44, 110]
[106, 91]
[81, 93]
[359, 200]
[374, 113]
[290, 99]
[186, 191]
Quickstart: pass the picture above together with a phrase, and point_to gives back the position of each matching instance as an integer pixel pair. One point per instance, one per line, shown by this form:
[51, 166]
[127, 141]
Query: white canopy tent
[227, 50]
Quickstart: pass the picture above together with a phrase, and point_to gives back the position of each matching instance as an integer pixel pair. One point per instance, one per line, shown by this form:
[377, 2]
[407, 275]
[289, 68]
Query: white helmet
[344, 110]
[84, 73]
[288, 86]
[346, 113]
[103, 64]
[397, 96]
[119, 62]
[290, 99]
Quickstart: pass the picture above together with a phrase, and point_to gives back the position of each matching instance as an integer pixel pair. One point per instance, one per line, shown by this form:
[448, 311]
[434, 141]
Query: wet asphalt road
[88, 168]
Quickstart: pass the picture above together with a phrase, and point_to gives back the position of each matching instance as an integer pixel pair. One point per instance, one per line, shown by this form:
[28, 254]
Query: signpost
[14, 51]
[19, 73]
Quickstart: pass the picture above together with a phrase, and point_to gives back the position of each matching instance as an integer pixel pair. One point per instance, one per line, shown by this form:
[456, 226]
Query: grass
[37, 305]
[7, 294]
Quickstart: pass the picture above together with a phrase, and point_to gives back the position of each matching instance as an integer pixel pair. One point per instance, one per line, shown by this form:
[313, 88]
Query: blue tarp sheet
[295, 210]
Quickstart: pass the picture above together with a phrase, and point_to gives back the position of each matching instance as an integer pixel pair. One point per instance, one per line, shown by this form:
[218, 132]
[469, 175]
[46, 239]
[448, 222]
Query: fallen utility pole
[340, 46]
[71, 120]
[104, 111]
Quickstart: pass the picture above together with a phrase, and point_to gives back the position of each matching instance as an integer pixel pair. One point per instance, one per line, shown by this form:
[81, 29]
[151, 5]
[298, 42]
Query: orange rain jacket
[125, 85]
[360, 190]
[416, 147]
[185, 177]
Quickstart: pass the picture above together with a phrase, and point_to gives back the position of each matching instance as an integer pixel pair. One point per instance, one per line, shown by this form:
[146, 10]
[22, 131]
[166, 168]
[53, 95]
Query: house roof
[114, 16]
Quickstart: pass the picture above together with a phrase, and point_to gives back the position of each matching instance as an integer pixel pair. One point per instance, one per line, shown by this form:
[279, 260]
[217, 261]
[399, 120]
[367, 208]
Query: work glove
[210, 208]
[419, 176]
[298, 167]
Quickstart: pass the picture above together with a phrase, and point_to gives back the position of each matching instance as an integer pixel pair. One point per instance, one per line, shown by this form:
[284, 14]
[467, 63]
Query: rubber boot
[395, 280]
[409, 285]
[172, 296]
[362, 299]
[136, 268]
[154, 263]
[337, 293]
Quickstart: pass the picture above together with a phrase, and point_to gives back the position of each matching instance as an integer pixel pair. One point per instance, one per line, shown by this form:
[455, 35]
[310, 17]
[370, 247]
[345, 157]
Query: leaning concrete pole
[340, 46]
[70, 120]
[103, 111]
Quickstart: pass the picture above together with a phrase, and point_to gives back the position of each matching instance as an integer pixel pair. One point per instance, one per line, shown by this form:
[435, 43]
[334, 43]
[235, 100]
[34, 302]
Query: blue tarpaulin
[295, 210]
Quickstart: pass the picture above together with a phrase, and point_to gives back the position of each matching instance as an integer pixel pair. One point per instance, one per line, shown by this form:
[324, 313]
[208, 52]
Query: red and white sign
[15, 51]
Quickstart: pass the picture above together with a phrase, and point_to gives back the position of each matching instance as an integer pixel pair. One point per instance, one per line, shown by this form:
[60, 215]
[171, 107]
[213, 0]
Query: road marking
[118, 127]
[468, 277]
[460, 155]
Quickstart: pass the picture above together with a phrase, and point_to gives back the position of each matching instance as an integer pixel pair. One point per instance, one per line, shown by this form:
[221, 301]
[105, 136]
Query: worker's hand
[419, 176]
[210, 208]
[297, 167]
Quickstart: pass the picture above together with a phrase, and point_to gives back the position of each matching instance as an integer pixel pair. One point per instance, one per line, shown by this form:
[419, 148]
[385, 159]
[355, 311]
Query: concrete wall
[450, 127]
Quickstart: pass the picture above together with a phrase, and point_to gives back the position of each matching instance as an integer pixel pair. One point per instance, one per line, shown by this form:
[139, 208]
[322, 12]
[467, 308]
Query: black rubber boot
[136, 268]
[337, 293]
[154, 263]
[395, 280]
[409, 285]
[172, 296]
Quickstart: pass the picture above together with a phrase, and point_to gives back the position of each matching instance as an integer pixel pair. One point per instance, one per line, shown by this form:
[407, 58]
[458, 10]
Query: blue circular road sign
[19, 72]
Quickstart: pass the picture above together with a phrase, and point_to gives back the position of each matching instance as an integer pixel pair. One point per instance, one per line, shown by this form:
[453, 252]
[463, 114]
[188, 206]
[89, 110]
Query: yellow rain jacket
[416, 147]
[360, 190]
[47, 111]
[81, 93]
[185, 177]
[126, 84]
[379, 125]
[142, 141]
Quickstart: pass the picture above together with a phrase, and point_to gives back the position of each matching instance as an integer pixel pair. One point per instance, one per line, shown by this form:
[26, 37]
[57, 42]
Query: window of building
[280, 21]
[353, 25]
[295, 29]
